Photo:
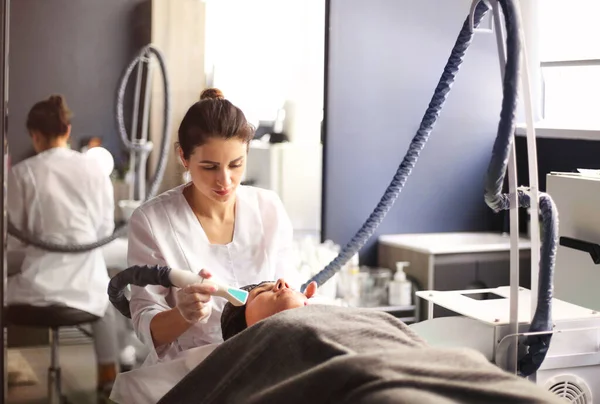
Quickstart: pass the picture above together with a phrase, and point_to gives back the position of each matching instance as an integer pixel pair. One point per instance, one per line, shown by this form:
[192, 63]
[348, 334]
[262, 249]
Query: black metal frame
[4, 40]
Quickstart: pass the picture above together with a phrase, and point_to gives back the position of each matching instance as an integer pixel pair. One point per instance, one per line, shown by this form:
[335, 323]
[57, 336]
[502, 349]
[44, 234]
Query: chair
[52, 317]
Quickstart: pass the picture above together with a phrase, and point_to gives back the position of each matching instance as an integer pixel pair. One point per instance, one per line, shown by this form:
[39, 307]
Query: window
[569, 55]
[266, 53]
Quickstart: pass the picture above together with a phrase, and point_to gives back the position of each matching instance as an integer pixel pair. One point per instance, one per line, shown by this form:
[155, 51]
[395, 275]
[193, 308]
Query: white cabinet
[454, 261]
[577, 276]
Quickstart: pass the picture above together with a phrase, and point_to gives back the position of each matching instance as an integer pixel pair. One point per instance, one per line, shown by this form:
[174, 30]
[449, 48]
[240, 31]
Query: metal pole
[134, 129]
[571, 63]
[526, 90]
[512, 352]
[143, 163]
[4, 37]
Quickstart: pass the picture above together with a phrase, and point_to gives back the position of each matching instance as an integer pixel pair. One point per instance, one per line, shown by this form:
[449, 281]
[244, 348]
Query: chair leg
[54, 382]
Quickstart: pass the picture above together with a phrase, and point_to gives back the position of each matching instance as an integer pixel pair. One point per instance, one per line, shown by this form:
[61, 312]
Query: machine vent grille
[570, 388]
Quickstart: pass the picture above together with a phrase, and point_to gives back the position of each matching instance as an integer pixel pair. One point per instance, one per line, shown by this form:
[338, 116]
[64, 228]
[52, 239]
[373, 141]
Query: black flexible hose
[138, 275]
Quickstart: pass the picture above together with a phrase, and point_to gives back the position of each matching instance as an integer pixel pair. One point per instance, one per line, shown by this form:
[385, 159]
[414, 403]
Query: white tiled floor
[78, 375]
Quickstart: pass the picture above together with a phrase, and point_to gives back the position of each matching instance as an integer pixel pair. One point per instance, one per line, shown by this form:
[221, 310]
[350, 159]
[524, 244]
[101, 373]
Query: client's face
[272, 297]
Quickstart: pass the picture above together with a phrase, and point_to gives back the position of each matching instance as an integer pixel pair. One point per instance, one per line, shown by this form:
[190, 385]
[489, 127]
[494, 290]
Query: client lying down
[280, 349]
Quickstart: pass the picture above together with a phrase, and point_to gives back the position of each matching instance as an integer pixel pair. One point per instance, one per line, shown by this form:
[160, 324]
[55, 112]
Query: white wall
[265, 54]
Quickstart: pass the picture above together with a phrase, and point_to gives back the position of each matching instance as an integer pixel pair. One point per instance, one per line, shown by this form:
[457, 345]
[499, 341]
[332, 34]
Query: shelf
[556, 132]
[391, 308]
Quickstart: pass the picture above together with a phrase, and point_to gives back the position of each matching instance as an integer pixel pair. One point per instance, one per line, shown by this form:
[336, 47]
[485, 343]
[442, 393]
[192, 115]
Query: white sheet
[149, 384]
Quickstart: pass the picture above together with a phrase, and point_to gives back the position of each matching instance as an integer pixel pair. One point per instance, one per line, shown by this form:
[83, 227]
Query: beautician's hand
[193, 301]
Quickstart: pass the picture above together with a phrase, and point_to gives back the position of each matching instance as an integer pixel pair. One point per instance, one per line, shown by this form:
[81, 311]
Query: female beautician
[240, 234]
[63, 196]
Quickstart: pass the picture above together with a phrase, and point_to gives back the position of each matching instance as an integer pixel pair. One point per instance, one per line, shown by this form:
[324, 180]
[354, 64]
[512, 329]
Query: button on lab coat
[165, 231]
[60, 196]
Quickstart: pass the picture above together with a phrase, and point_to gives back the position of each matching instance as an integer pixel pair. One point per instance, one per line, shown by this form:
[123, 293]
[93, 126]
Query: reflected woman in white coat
[212, 226]
[64, 197]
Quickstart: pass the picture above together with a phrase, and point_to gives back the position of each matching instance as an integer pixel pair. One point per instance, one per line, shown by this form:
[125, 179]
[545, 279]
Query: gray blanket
[323, 354]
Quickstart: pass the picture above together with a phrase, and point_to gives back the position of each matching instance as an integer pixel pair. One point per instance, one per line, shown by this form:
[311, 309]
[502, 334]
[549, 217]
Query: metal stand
[139, 156]
[514, 207]
[513, 185]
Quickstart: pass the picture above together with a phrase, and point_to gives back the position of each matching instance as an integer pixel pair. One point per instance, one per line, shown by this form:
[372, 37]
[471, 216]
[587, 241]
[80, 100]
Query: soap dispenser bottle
[400, 289]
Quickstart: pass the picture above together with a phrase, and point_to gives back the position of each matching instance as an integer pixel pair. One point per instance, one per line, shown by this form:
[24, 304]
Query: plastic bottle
[400, 289]
[349, 286]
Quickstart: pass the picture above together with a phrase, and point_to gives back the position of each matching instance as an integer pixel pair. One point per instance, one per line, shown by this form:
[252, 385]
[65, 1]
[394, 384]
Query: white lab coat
[60, 196]
[165, 231]
[148, 384]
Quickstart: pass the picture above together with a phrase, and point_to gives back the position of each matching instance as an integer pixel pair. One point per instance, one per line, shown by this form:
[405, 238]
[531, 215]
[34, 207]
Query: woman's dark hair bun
[50, 117]
[212, 116]
[212, 94]
[57, 100]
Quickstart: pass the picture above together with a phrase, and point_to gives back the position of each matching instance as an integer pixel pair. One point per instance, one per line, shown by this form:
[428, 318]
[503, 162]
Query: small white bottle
[400, 290]
[352, 284]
